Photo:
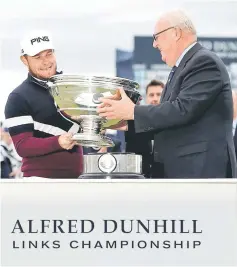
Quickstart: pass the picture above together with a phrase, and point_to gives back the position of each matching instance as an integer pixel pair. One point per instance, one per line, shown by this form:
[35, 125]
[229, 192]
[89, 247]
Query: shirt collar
[183, 54]
[234, 125]
[42, 83]
[39, 80]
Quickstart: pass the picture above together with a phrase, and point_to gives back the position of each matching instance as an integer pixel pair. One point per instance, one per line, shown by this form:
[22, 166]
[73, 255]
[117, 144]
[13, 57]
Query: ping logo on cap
[39, 39]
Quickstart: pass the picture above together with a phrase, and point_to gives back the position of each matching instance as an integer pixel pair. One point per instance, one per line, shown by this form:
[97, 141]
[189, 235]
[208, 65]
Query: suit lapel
[163, 93]
[168, 88]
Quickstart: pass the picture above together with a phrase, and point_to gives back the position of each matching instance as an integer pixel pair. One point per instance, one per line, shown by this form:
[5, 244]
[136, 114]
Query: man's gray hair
[180, 19]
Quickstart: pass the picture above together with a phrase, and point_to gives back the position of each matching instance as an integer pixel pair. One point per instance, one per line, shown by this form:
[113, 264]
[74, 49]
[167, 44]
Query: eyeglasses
[156, 34]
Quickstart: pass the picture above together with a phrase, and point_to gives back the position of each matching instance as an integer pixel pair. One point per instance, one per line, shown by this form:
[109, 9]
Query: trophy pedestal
[92, 140]
[90, 135]
[112, 166]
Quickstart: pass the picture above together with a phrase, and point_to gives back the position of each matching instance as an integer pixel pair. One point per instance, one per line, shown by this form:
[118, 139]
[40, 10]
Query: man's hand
[15, 173]
[117, 109]
[102, 150]
[66, 142]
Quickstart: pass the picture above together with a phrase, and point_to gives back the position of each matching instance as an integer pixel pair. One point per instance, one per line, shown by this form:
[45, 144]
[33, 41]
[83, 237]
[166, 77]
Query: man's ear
[178, 33]
[25, 61]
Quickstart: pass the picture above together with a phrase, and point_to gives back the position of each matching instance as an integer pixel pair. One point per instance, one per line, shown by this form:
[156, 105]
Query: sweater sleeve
[21, 126]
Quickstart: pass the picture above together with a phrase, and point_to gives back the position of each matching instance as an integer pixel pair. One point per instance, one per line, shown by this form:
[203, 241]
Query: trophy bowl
[78, 97]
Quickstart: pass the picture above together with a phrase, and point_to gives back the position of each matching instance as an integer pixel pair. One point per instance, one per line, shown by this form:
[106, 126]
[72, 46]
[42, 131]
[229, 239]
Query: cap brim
[37, 51]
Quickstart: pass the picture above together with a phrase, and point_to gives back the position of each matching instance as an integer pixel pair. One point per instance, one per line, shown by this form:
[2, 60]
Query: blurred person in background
[153, 92]
[193, 123]
[10, 163]
[234, 94]
[40, 132]
[143, 144]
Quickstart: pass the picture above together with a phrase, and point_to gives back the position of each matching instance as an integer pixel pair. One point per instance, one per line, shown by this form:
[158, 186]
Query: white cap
[36, 42]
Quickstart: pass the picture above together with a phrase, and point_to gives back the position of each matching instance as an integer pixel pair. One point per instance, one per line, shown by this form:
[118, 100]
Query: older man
[193, 122]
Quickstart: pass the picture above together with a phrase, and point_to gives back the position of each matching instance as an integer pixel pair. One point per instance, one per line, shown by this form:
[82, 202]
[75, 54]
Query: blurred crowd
[10, 160]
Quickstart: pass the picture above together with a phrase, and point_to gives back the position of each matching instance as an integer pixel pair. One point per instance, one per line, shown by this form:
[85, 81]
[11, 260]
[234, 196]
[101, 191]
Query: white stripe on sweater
[46, 128]
[17, 121]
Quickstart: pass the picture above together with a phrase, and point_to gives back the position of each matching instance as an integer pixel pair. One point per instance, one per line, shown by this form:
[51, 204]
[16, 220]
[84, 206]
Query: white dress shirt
[183, 54]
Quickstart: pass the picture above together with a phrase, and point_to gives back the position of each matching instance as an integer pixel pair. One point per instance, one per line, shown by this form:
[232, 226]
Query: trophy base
[112, 166]
[92, 140]
[111, 176]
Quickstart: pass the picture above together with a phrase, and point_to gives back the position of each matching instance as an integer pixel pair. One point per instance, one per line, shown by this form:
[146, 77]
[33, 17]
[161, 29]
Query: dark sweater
[35, 124]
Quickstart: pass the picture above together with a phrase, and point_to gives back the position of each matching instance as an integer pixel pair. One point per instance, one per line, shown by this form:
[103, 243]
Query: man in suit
[153, 92]
[193, 122]
[153, 95]
[143, 144]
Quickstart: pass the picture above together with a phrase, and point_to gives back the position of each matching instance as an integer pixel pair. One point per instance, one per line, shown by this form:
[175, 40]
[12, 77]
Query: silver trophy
[78, 96]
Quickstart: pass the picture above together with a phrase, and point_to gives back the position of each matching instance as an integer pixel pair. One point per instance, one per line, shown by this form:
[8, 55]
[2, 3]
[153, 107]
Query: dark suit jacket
[140, 144]
[193, 123]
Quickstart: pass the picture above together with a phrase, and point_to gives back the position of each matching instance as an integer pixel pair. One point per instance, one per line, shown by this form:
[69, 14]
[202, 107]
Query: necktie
[171, 74]
[168, 82]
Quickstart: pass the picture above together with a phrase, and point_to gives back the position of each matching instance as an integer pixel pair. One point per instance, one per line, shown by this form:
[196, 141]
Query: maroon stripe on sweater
[28, 146]
[44, 157]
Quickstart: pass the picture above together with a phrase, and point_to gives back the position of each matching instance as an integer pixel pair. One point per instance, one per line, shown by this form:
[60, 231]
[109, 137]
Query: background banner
[118, 223]
[146, 64]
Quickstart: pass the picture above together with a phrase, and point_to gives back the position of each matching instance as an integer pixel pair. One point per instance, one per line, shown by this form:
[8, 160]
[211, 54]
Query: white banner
[118, 222]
